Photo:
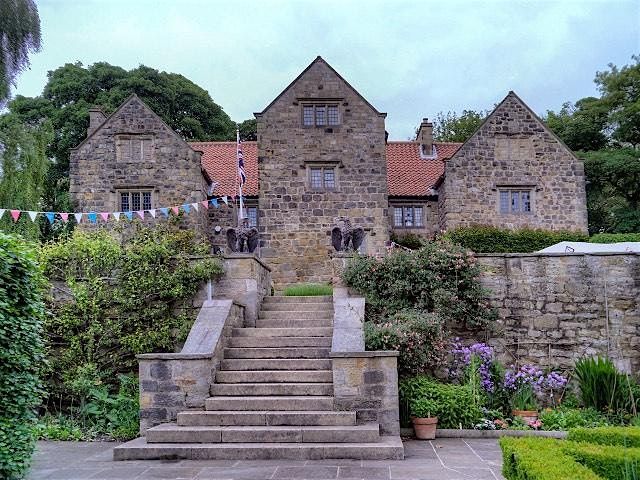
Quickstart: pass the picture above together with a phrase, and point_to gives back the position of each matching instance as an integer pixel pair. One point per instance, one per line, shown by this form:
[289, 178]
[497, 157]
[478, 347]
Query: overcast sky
[410, 59]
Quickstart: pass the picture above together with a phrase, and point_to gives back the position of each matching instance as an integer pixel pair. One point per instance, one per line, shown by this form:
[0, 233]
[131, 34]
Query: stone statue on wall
[347, 237]
[243, 239]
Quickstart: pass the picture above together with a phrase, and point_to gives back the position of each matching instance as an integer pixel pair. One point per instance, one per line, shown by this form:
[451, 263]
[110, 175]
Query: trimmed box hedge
[615, 237]
[540, 459]
[608, 461]
[621, 436]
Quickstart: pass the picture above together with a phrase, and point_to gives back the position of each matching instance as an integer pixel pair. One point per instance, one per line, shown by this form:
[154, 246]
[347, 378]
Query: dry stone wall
[296, 220]
[555, 309]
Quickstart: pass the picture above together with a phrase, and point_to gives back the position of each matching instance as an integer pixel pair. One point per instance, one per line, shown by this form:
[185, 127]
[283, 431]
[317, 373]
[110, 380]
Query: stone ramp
[272, 398]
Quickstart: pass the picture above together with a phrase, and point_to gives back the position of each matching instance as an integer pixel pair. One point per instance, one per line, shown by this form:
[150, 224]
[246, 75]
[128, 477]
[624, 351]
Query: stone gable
[296, 219]
[134, 150]
[514, 152]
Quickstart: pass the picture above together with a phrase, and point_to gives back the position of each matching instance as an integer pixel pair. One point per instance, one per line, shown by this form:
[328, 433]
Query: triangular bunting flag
[78, 217]
[152, 212]
[50, 216]
[224, 199]
[129, 215]
[196, 206]
[116, 215]
[15, 214]
[2, 210]
[140, 213]
[92, 216]
[165, 211]
[104, 215]
[204, 203]
[175, 210]
[186, 207]
[33, 215]
[64, 216]
[214, 202]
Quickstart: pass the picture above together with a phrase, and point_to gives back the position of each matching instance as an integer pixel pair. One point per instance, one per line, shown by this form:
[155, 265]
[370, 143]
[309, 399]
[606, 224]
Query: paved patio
[445, 459]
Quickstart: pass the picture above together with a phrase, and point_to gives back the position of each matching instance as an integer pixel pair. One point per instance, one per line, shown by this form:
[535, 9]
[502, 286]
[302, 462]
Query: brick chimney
[425, 137]
[96, 118]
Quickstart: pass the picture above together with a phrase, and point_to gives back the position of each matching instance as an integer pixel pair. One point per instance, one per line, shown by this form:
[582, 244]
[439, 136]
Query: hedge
[540, 459]
[21, 353]
[487, 239]
[608, 461]
[615, 237]
[622, 436]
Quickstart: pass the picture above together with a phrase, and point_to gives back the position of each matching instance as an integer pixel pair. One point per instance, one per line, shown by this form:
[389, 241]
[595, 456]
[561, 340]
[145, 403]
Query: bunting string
[104, 217]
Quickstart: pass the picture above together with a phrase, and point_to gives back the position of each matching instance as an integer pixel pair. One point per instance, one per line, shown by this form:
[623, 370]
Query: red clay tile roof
[219, 161]
[408, 174]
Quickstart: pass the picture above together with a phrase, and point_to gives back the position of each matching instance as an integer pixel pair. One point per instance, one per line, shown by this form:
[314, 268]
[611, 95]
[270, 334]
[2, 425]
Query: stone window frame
[252, 206]
[315, 107]
[404, 207]
[510, 190]
[130, 158]
[133, 190]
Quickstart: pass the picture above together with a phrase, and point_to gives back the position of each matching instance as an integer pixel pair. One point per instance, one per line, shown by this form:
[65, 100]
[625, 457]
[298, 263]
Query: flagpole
[240, 213]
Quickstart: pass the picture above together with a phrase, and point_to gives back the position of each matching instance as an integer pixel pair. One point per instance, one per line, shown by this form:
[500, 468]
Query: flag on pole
[242, 174]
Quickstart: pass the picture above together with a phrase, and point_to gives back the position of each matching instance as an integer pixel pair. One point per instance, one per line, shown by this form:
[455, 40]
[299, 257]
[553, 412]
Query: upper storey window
[515, 201]
[320, 115]
[134, 148]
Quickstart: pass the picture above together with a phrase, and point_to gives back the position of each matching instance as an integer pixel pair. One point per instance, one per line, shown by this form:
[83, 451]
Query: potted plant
[524, 403]
[424, 424]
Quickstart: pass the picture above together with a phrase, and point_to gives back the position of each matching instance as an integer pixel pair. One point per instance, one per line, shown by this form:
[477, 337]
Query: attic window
[134, 148]
[320, 115]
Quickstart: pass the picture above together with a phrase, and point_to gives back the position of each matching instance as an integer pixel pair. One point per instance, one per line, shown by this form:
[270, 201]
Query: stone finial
[96, 118]
[425, 137]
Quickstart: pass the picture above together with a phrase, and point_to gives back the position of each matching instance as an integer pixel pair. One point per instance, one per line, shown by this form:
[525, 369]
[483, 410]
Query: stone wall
[556, 308]
[135, 150]
[514, 150]
[296, 220]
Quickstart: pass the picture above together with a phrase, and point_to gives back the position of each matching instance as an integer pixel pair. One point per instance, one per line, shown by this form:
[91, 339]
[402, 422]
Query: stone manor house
[322, 153]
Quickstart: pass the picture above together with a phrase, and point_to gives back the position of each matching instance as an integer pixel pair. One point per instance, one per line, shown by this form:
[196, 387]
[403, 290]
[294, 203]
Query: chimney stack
[425, 137]
[96, 118]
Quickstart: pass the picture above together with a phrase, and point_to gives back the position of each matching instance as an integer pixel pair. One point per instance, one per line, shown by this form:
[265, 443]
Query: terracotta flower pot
[526, 415]
[425, 428]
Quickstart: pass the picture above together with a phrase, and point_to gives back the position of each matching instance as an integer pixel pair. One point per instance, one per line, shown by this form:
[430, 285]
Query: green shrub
[601, 385]
[487, 239]
[540, 459]
[565, 418]
[417, 336]
[60, 427]
[454, 405]
[610, 462]
[408, 240]
[308, 290]
[621, 436]
[122, 300]
[615, 237]
[21, 353]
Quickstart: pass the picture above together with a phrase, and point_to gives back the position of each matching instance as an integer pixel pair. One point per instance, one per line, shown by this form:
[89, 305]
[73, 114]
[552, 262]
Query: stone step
[269, 403]
[297, 307]
[276, 364]
[235, 418]
[301, 315]
[253, 342]
[293, 323]
[172, 433]
[297, 300]
[274, 376]
[283, 332]
[386, 448]
[268, 389]
[298, 352]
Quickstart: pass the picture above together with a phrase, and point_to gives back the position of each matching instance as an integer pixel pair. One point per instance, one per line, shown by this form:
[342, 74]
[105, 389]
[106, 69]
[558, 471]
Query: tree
[72, 89]
[19, 36]
[620, 89]
[451, 127]
[248, 130]
[580, 126]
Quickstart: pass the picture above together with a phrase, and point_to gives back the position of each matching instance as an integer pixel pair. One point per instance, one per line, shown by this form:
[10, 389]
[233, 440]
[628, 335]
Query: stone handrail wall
[556, 308]
[172, 382]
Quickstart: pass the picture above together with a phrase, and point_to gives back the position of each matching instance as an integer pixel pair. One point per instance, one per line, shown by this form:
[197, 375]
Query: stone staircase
[272, 398]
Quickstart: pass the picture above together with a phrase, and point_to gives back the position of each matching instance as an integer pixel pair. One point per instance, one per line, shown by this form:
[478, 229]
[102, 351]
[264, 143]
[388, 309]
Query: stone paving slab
[440, 459]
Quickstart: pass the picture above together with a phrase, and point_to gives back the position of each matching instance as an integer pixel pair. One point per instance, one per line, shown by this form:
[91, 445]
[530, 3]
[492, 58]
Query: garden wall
[555, 308]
